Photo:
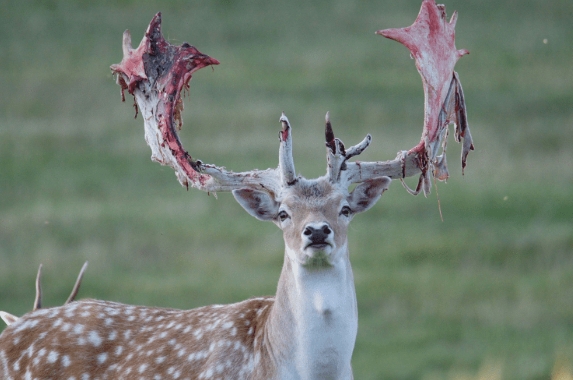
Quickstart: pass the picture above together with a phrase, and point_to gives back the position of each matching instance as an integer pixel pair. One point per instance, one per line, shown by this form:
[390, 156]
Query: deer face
[313, 215]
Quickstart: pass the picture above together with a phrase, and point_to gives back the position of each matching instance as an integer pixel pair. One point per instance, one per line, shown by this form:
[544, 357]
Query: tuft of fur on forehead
[313, 188]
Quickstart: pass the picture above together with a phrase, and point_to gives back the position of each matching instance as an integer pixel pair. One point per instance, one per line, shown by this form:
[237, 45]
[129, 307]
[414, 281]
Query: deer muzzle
[318, 237]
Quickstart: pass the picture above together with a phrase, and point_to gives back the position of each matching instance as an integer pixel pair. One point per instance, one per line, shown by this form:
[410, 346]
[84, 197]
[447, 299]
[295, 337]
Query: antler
[431, 41]
[72, 296]
[155, 74]
[10, 319]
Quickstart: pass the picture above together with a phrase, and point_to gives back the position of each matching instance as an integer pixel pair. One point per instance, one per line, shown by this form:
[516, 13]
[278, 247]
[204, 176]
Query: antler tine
[38, 299]
[76, 287]
[155, 74]
[286, 162]
[337, 155]
[359, 148]
[335, 152]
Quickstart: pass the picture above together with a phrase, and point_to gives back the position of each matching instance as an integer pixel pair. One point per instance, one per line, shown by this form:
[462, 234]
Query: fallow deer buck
[308, 329]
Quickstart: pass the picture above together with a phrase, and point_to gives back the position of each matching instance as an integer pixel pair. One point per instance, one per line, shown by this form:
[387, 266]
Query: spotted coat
[90, 339]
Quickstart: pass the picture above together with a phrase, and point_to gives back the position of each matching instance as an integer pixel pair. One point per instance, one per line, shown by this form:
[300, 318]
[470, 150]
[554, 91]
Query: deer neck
[312, 326]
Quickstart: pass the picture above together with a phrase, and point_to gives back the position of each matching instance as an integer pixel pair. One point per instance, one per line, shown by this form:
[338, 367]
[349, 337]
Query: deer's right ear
[257, 203]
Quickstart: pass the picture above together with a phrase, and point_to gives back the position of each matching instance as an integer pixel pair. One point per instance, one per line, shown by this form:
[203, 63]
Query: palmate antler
[431, 41]
[156, 72]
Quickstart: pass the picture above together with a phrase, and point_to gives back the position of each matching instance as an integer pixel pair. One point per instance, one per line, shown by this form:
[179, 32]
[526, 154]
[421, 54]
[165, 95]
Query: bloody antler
[156, 72]
[431, 40]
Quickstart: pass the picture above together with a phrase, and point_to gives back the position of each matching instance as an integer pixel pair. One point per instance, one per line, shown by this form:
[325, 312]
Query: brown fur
[106, 340]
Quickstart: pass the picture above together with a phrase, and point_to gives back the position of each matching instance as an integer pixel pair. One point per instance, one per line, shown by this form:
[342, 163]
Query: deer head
[313, 214]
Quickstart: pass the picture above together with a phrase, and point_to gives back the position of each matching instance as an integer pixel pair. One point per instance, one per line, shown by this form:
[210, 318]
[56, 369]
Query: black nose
[317, 235]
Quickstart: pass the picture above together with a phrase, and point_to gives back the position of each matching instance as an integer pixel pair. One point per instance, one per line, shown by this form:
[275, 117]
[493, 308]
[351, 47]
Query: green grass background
[487, 293]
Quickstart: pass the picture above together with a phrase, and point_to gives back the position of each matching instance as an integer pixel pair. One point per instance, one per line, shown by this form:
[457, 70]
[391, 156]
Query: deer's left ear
[367, 193]
[257, 203]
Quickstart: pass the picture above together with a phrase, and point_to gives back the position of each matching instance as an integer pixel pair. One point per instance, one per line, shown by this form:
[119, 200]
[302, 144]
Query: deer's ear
[257, 203]
[8, 318]
[367, 193]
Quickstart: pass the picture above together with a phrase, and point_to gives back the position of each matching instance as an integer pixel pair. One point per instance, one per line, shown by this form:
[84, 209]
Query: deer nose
[317, 233]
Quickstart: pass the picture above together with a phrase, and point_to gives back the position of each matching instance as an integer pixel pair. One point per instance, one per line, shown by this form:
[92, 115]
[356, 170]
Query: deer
[9, 318]
[308, 329]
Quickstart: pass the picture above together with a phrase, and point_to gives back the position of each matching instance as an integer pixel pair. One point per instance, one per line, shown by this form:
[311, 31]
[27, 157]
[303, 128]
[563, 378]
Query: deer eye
[283, 215]
[346, 211]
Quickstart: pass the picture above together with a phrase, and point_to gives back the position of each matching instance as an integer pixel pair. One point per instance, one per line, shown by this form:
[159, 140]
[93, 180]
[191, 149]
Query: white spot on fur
[94, 338]
[78, 329]
[52, 357]
[41, 312]
[25, 325]
[102, 357]
[227, 325]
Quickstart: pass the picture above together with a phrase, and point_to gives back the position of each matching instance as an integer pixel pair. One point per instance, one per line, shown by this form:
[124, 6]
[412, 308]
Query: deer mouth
[317, 246]
[318, 249]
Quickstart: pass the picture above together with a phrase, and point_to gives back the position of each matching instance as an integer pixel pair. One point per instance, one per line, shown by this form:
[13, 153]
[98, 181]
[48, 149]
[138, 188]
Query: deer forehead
[313, 198]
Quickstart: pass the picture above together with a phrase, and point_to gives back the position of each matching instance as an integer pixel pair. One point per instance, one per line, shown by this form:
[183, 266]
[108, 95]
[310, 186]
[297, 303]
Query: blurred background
[487, 293]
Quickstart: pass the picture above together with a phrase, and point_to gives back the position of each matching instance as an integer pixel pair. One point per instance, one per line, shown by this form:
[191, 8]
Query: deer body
[308, 330]
[97, 339]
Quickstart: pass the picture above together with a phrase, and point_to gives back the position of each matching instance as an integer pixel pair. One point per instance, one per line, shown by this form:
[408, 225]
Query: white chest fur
[326, 321]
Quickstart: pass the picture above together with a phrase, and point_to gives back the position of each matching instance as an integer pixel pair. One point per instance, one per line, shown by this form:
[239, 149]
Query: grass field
[485, 294]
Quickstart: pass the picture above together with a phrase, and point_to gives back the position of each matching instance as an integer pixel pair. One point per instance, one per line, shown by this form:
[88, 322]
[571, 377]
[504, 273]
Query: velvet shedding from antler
[156, 72]
[431, 41]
